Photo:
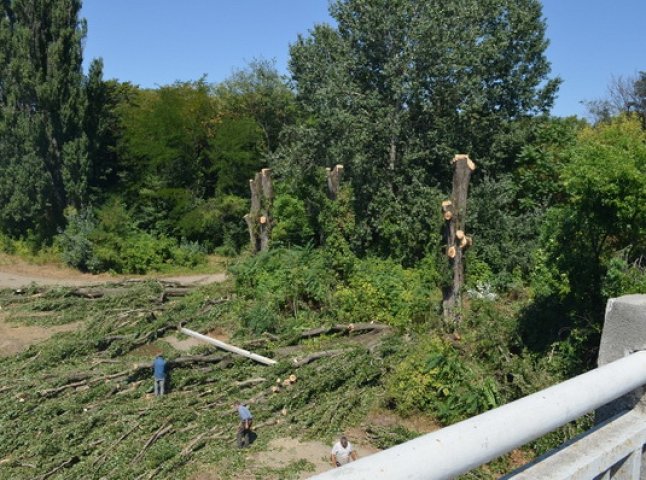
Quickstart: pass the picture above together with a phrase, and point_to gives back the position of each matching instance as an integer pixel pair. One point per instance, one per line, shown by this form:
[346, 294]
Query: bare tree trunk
[455, 212]
[334, 181]
[259, 221]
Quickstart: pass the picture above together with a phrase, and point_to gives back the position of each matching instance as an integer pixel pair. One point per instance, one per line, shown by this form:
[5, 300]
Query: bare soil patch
[16, 338]
[19, 274]
[283, 451]
[16, 273]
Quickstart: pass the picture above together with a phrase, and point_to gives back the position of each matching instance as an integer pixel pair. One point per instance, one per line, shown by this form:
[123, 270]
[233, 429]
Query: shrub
[384, 291]
[292, 226]
[286, 280]
[434, 379]
[217, 222]
[77, 250]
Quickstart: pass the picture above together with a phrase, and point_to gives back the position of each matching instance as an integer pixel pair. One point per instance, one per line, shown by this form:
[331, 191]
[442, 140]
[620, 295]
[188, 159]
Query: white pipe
[454, 450]
[228, 348]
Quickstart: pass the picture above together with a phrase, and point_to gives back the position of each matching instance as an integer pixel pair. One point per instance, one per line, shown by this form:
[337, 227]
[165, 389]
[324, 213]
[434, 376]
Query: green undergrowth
[79, 405]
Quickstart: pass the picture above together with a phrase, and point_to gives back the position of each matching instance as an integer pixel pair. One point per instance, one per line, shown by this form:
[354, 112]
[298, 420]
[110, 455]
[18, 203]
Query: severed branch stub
[455, 239]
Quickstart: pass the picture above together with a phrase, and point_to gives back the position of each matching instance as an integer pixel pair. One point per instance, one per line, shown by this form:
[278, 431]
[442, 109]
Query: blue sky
[156, 42]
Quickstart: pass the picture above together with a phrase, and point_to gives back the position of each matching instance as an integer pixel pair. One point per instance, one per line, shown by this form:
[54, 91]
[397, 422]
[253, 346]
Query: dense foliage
[113, 177]
[396, 88]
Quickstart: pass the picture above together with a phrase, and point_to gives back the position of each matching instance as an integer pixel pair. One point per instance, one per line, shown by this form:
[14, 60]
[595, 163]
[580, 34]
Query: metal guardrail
[456, 449]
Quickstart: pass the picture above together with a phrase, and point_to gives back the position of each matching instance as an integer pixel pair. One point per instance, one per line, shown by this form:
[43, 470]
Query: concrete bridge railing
[613, 449]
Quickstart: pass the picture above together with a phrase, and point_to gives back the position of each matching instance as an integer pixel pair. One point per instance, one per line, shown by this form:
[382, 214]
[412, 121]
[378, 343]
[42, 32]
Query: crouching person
[243, 436]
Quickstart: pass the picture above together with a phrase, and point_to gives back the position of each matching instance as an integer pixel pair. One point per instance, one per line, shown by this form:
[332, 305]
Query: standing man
[342, 452]
[159, 373]
[246, 422]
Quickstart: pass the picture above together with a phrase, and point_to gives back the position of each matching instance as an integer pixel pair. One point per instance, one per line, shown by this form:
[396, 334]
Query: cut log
[342, 328]
[163, 430]
[63, 465]
[229, 348]
[448, 216]
[249, 383]
[459, 234]
[83, 293]
[451, 252]
[299, 362]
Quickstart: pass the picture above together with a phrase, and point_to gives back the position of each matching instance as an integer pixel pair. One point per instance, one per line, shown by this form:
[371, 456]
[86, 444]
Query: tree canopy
[398, 87]
[43, 144]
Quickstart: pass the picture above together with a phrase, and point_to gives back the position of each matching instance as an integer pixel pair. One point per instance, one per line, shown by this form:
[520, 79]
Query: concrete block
[624, 332]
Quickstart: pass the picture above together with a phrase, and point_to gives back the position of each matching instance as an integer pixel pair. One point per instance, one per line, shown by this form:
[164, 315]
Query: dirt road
[18, 274]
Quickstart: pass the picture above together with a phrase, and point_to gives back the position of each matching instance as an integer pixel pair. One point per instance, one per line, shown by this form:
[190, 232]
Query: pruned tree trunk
[454, 212]
[334, 176]
[259, 221]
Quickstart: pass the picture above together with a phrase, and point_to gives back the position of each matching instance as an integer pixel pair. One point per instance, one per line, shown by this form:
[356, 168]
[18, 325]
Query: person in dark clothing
[159, 374]
[246, 422]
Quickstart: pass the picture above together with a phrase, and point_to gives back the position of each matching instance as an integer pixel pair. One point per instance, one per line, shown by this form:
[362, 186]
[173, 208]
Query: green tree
[44, 160]
[399, 86]
[259, 92]
[165, 141]
[237, 153]
[604, 211]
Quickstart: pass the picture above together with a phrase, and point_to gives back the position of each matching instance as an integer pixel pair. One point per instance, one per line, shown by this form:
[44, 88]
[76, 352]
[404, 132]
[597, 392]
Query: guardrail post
[624, 332]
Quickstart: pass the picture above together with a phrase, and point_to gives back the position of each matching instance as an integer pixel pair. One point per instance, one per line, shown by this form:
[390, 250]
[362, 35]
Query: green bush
[384, 291]
[286, 280]
[77, 250]
[435, 379]
[217, 222]
[111, 241]
[623, 278]
[291, 222]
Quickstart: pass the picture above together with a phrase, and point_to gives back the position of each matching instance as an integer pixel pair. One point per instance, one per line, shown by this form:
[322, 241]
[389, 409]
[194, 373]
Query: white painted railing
[454, 450]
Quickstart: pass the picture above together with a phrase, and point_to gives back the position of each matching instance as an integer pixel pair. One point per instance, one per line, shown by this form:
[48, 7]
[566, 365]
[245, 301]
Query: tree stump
[259, 221]
[334, 180]
[454, 212]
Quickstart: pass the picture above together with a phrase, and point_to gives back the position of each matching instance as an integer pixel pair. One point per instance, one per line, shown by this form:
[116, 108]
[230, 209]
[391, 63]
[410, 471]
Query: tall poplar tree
[398, 87]
[44, 160]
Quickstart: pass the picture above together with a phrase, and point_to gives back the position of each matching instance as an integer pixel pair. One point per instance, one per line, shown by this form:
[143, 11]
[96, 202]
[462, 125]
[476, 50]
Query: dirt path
[15, 273]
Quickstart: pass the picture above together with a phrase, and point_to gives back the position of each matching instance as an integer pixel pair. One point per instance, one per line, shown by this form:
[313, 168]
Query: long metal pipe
[456, 449]
[228, 348]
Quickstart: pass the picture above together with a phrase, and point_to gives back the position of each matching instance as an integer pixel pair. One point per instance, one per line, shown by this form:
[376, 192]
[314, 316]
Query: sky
[156, 42]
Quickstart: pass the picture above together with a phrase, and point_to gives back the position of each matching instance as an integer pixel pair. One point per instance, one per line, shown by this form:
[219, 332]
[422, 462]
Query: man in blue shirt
[246, 421]
[159, 372]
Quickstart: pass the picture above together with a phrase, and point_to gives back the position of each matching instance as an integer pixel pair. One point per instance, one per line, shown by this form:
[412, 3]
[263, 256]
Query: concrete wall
[624, 332]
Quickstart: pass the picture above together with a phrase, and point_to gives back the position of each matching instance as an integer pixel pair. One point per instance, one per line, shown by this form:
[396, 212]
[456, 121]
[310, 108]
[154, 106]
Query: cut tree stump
[456, 241]
[259, 221]
[334, 176]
